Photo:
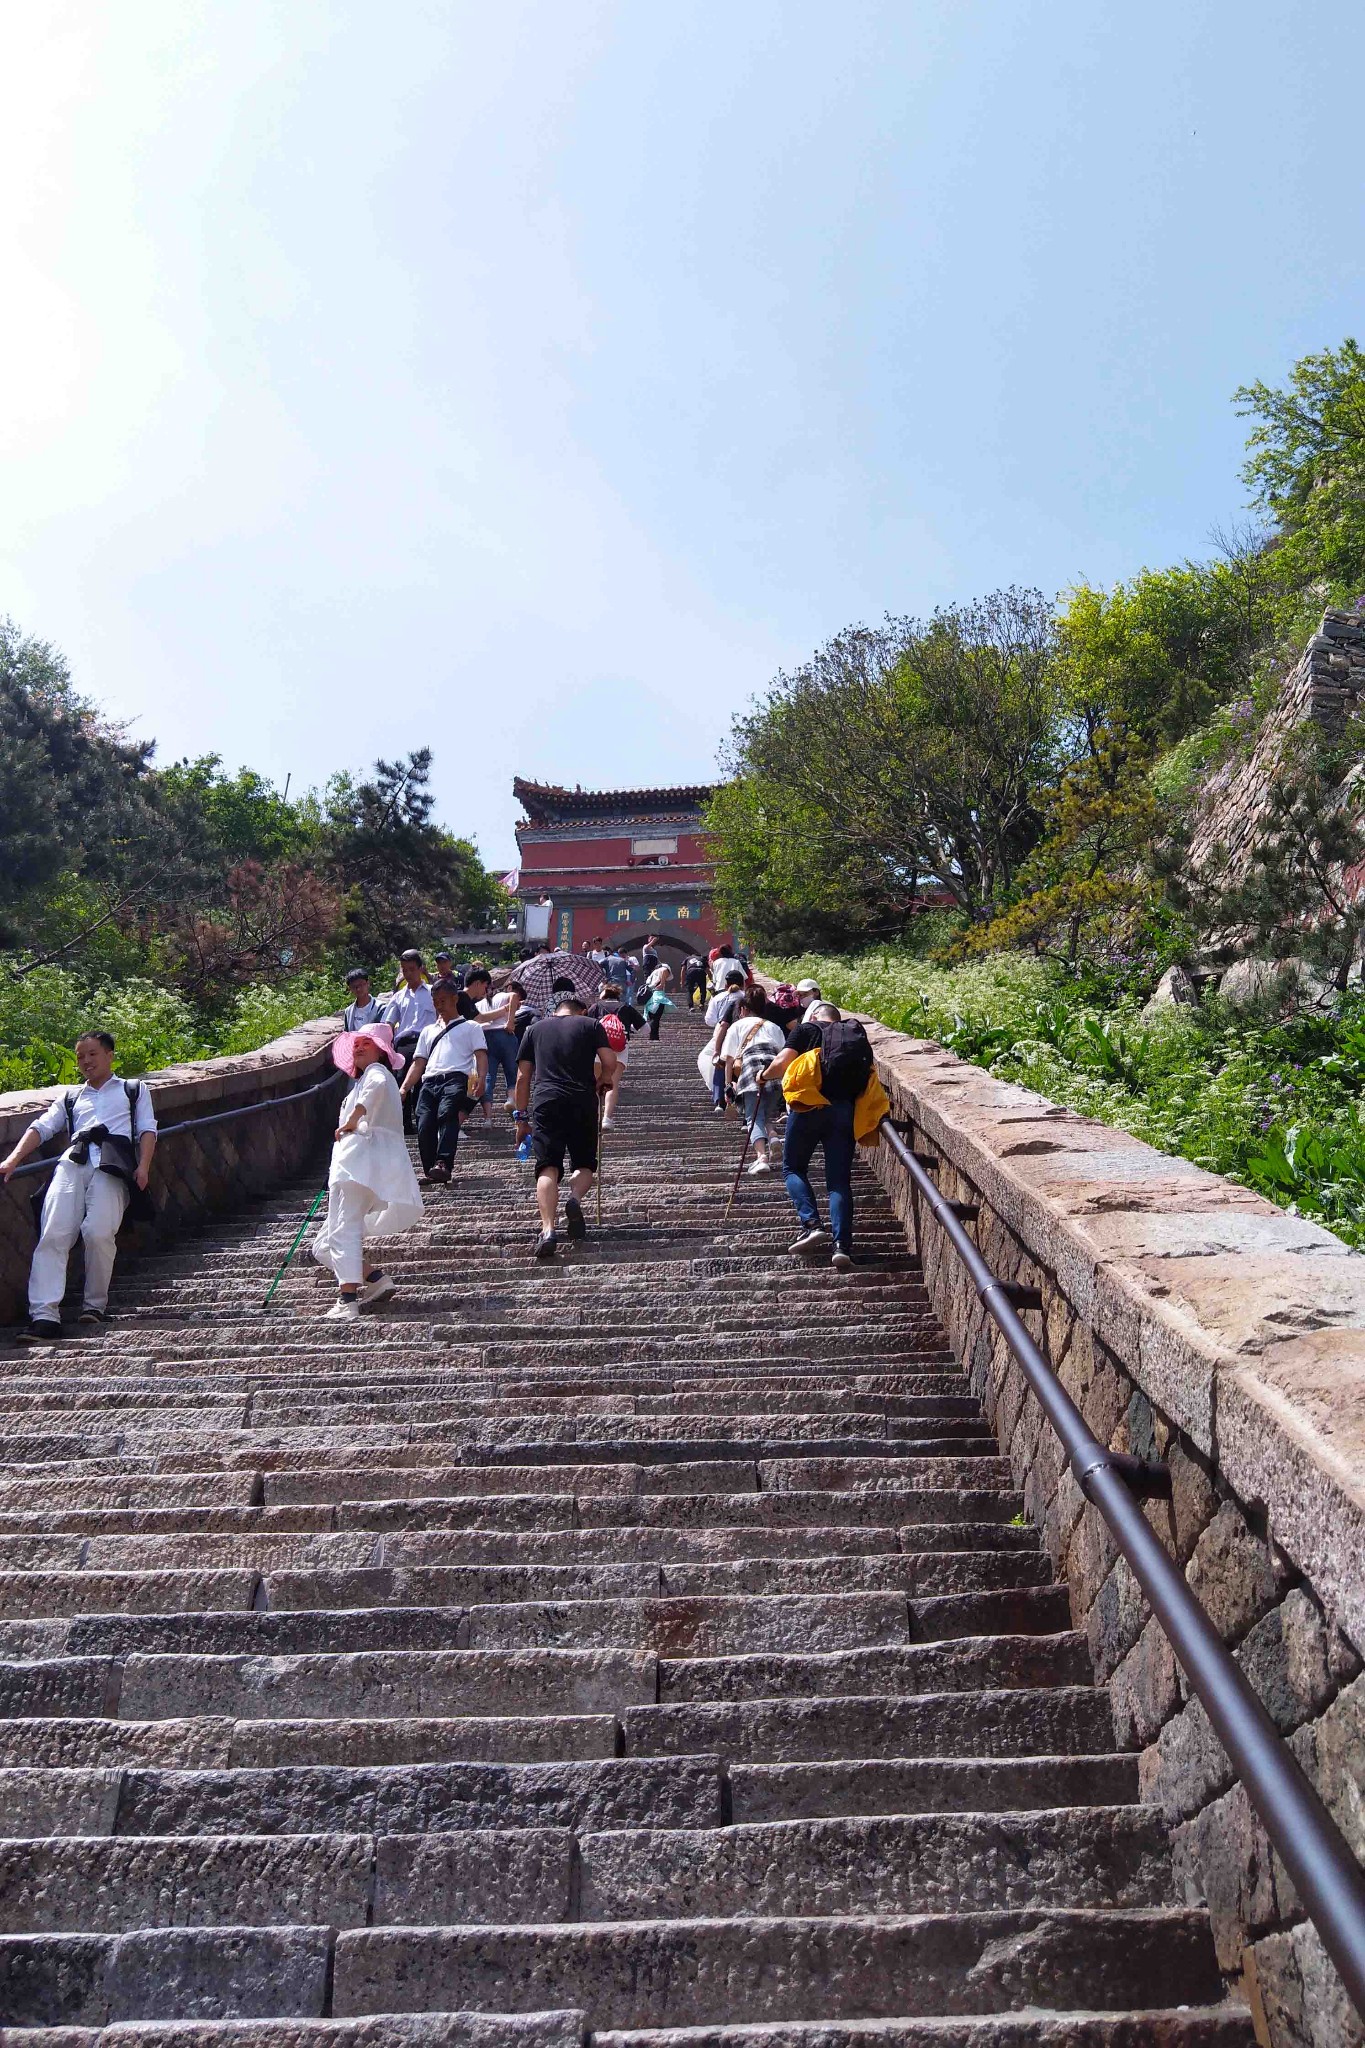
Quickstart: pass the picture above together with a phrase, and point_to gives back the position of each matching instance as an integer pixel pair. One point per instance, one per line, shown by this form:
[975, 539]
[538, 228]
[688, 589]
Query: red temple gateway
[619, 866]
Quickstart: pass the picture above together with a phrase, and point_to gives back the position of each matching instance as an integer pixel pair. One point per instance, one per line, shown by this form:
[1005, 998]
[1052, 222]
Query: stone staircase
[647, 1645]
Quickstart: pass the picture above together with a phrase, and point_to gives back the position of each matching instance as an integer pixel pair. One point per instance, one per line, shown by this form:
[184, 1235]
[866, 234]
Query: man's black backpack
[845, 1060]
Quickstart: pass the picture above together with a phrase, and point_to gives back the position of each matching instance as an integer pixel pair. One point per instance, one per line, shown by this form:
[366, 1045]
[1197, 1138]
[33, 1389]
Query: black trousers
[407, 1046]
[442, 1106]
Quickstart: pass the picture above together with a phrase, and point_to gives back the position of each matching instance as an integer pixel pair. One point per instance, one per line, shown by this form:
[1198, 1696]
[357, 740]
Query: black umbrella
[538, 977]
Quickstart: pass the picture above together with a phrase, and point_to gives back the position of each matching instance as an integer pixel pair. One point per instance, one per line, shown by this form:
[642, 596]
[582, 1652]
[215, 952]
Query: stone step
[1001, 1721]
[909, 1863]
[1221, 2026]
[381, 2030]
[510, 1875]
[513, 1874]
[705, 1626]
[408, 1799]
[710, 1972]
[918, 1784]
[363, 1684]
[215, 1742]
[983, 1663]
[33, 1593]
[946, 1573]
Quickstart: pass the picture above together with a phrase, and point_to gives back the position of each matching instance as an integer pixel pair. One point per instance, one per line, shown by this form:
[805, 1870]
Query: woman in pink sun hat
[372, 1190]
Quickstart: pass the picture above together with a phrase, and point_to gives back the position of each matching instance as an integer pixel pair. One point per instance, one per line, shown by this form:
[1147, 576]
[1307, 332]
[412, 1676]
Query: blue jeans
[831, 1127]
[502, 1057]
[760, 1107]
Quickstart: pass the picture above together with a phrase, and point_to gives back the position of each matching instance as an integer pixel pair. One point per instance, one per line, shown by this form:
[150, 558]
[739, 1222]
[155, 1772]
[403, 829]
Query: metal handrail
[1316, 1855]
[200, 1123]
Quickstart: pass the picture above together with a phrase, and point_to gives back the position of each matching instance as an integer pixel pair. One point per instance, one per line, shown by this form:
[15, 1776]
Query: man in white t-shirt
[447, 1074]
[112, 1129]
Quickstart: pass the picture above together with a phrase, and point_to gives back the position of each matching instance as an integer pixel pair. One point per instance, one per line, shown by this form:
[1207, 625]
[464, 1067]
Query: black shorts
[558, 1127]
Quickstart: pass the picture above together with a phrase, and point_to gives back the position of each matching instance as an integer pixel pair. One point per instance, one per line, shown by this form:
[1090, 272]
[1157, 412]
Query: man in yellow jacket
[822, 1113]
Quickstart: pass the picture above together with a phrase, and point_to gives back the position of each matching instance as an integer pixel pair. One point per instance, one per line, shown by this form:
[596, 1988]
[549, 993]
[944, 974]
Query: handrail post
[1314, 1851]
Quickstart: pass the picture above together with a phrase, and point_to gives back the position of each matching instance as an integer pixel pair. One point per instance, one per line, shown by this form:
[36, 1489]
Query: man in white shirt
[363, 1008]
[112, 1131]
[449, 1056]
[408, 1011]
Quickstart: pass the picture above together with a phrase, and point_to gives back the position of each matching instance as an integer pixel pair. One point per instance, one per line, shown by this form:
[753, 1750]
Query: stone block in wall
[1145, 1688]
[1234, 1574]
[1224, 1857]
[1115, 1620]
[1296, 1995]
[1332, 1752]
[1291, 1662]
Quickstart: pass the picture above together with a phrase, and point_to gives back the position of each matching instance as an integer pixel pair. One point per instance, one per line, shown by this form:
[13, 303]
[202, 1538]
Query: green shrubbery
[1270, 1100]
[154, 1025]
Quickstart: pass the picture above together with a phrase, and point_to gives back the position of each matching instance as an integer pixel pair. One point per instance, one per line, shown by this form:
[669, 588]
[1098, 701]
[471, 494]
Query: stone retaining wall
[1191, 1321]
[196, 1172]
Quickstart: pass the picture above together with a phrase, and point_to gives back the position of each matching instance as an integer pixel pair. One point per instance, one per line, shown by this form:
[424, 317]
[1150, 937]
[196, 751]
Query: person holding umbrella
[563, 1064]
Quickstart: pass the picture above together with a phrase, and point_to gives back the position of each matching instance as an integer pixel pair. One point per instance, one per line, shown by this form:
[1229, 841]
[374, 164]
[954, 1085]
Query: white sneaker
[810, 1241]
[378, 1289]
[760, 1166]
[609, 1123]
[343, 1310]
[843, 1261]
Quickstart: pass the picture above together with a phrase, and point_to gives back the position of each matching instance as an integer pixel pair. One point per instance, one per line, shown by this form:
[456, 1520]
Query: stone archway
[672, 948]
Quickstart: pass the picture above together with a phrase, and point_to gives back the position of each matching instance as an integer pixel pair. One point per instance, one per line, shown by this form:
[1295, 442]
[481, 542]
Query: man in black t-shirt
[563, 1063]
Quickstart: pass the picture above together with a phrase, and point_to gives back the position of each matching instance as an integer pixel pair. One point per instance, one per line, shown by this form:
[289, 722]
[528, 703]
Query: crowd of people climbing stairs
[425, 1058]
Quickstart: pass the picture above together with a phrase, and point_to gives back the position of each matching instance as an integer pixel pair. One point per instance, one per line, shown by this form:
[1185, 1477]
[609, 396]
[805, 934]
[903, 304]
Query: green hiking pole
[294, 1246]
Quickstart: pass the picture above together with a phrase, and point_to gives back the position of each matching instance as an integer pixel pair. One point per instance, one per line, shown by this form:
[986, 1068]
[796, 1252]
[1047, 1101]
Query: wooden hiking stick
[745, 1153]
[601, 1110]
[294, 1246]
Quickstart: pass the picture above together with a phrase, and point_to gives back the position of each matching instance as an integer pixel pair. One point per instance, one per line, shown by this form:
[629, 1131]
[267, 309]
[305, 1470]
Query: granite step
[709, 1972]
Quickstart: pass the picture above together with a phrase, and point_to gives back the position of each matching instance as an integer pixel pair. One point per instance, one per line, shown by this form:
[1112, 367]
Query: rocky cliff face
[1325, 685]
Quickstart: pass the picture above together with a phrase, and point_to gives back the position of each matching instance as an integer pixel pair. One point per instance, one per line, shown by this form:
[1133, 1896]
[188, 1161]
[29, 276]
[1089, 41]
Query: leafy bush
[154, 1026]
[1273, 1101]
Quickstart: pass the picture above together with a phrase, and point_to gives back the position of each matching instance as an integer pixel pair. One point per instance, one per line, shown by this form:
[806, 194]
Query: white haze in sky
[533, 381]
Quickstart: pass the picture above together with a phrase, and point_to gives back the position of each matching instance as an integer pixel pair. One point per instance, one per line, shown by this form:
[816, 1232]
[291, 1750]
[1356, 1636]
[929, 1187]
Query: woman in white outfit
[372, 1190]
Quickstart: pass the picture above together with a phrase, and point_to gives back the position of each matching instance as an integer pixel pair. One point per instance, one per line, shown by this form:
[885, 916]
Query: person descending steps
[447, 1073]
[372, 1190]
[564, 1063]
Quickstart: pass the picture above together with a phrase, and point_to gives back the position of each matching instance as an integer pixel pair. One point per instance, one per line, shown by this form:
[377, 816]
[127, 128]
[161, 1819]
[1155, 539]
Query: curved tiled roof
[549, 798]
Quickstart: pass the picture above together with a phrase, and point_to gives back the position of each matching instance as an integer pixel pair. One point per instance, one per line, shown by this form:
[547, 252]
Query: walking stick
[601, 1110]
[294, 1246]
[745, 1153]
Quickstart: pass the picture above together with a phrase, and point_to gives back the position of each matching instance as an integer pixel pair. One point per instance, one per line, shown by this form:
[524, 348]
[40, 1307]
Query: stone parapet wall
[1324, 686]
[196, 1173]
[1191, 1321]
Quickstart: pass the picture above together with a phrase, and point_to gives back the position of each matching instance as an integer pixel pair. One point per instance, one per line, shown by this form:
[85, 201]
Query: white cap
[808, 987]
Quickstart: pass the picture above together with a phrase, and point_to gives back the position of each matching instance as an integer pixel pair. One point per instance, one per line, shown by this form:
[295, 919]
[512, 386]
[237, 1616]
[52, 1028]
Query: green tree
[1086, 885]
[1306, 464]
[1159, 653]
[905, 756]
[402, 876]
[242, 816]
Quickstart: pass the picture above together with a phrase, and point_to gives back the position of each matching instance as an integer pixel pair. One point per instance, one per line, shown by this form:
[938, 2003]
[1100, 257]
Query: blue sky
[534, 381]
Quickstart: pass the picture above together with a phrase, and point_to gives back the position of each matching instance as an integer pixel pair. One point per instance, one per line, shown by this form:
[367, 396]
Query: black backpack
[845, 1060]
